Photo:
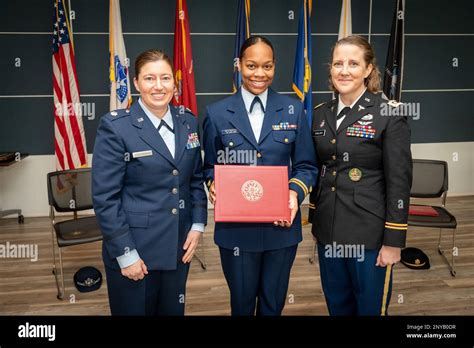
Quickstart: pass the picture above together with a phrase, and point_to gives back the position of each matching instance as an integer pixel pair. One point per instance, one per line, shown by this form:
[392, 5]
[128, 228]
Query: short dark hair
[151, 55]
[252, 40]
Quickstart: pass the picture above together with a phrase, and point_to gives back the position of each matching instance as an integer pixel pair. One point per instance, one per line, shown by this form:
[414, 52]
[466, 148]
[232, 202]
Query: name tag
[319, 133]
[142, 154]
[229, 131]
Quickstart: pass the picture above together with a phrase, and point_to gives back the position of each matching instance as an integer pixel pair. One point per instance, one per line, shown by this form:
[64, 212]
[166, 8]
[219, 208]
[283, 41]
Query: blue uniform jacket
[285, 140]
[143, 198]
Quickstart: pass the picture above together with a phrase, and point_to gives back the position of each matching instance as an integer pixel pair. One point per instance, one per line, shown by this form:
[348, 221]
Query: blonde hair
[372, 82]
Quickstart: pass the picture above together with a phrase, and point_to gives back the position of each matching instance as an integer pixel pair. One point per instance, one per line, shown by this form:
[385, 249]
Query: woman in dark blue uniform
[257, 258]
[359, 211]
[148, 194]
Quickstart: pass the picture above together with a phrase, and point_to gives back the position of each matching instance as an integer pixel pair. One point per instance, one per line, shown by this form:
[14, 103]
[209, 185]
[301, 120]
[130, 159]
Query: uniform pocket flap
[232, 140]
[285, 137]
[370, 201]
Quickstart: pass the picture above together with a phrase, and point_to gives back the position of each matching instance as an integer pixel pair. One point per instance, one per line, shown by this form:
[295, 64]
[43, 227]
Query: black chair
[70, 191]
[430, 180]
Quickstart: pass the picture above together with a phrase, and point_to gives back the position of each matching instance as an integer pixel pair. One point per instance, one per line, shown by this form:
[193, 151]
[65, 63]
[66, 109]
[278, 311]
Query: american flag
[69, 138]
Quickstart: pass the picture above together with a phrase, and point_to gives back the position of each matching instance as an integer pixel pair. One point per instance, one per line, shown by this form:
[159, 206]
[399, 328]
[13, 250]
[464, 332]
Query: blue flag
[302, 71]
[241, 34]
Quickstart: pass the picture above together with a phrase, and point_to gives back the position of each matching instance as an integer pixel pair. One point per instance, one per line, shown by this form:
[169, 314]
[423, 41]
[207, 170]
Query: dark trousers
[257, 280]
[354, 287]
[159, 293]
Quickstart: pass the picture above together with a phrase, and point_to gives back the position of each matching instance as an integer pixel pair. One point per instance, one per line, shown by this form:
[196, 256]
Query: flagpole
[403, 52]
[370, 19]
[69, 15]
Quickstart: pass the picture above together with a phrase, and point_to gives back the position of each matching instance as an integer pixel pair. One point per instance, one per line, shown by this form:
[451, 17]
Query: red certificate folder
[251, 193]
[422, 210]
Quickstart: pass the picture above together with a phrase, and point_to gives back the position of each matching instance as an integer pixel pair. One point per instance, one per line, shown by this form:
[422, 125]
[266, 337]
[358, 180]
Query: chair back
[70, 190]
[430, 178]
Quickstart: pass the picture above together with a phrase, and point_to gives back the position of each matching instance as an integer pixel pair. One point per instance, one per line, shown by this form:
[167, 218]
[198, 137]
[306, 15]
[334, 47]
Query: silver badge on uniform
[361, 108]
[142, 154]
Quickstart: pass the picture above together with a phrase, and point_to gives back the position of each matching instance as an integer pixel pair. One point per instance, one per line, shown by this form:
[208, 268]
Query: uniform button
[333, 141]
[333, 173]
[333, 189]
[174, 211]
[175, 172]
[231, 144]
[174, 190]
[334, 157]
[286, 140]
[259, 155]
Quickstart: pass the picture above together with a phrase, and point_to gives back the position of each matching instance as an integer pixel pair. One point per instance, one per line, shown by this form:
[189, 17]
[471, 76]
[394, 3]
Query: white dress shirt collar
[341, 105]
[155, 119]
[248, 98]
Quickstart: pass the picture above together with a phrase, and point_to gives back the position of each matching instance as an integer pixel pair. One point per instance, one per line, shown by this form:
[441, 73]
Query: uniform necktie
[163, 123]
[255, 101]
[343, 112]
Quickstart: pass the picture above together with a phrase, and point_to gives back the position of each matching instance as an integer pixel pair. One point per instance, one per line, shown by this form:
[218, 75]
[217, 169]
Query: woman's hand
[388, 256]
[192, 241]
[136, 271]
[212, 194]
[293, 205]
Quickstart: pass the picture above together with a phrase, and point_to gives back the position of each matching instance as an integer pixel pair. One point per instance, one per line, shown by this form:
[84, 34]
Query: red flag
[183, 60]
[69, 142]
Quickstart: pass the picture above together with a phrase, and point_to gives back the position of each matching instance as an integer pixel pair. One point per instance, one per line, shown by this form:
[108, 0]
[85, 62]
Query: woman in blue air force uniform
[257, 258]
[364, 187]
[148, 194]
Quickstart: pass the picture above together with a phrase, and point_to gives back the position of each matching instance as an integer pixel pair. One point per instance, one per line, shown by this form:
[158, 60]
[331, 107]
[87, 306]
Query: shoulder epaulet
[394, 103]
[116, 114]
[317, 106]
[181, 110]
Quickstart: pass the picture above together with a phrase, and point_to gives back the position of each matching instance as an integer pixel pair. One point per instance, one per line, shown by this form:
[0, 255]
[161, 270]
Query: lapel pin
[321, 124]
[113, 113]
[140, 119]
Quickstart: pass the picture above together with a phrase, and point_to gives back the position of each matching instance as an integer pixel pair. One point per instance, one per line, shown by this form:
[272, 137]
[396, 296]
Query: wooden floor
[28, 287]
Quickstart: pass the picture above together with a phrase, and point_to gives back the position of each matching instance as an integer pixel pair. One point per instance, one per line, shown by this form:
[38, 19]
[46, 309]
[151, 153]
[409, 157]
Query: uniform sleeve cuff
[395, 234]
[197, 227]
[128, 259]
[299, 187]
